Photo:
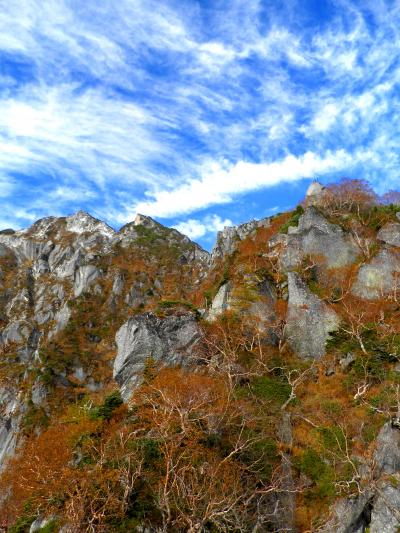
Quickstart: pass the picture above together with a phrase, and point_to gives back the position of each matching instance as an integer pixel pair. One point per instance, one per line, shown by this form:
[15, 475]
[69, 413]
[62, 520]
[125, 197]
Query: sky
[199, 113]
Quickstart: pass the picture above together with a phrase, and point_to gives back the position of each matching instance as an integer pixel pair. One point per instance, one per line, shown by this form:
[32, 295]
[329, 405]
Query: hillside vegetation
[148, 386]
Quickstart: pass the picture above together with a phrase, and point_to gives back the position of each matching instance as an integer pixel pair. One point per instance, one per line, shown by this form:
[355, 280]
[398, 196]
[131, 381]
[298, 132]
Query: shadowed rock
[170, 341]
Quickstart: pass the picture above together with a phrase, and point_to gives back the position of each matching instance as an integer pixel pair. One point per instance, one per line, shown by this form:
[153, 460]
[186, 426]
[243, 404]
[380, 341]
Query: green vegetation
[293, 220]
[312, 465]
[106, 410]
[273, 389]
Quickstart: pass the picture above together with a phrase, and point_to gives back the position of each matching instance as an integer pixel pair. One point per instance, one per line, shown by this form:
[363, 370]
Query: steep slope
[149, 386]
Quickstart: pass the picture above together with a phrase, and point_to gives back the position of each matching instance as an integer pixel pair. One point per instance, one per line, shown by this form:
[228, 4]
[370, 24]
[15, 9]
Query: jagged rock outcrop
[379, 277]
[351, 515]
[221, 301]
[11, 413]
[309, 321]
[390, 234]
[84, 277]
[316, 236]
[377, 507]
[256, 305]
[316, 192]
[228, 238]
[170, 341]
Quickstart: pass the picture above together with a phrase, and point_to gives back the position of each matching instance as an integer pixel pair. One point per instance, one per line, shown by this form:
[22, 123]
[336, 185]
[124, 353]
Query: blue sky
[199, 113]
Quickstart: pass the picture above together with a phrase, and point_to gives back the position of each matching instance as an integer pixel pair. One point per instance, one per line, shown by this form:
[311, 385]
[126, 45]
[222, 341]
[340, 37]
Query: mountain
[147, 385]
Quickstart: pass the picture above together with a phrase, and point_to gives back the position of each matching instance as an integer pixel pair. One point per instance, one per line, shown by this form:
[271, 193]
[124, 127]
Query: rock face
[315, 190]
[84, 277]
[377, 508]
[258, 306]
[221, 301]
[170, 341]
[228, 238]
[316, 236]
[351, 515]
[380, 277]
[10, 420]
[309, 320]
[390, 234]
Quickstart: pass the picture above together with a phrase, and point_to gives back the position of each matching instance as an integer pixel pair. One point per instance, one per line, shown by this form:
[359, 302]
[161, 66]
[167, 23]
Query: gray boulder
[170, 341]
[17, 331]
[350, 515]
[316, 236]
[61, 319]
[64, 260]
[48, 299]
[309, 321]
[390, 234]
[385, 514]
[379, 277]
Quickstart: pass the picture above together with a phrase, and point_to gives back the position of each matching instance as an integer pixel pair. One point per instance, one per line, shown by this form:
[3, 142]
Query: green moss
[23, 522]
[261, 457]
[293, 220]
[333, 438]
[170, 304]
[331, 408]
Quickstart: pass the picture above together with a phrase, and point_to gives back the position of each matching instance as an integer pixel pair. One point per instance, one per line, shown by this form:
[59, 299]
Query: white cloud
[220, 183]
[326, 117]
[195, 228]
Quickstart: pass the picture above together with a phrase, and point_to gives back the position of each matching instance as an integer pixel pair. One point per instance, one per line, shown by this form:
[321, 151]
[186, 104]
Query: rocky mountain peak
[143, 220]
[82, 222]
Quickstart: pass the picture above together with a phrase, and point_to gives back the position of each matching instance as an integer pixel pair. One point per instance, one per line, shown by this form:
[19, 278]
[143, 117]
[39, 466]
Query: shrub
[271, 388]
[312, 465]
[105, 411]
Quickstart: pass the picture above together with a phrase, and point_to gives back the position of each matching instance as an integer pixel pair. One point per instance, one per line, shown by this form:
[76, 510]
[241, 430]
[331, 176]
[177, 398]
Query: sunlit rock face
[315, 194]
[309, 321]
[380, 277]
[316, 236]
[375, 509]
[390, 234]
